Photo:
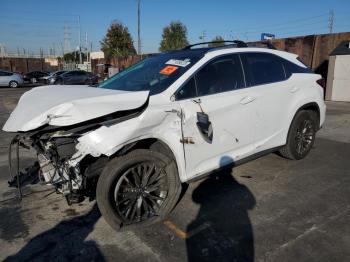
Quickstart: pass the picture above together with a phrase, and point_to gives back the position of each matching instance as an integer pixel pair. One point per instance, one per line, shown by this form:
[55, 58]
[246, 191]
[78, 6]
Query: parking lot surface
[270, 209]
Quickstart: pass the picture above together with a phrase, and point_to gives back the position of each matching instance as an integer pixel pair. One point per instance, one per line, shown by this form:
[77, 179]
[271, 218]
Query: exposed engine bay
[60, 163]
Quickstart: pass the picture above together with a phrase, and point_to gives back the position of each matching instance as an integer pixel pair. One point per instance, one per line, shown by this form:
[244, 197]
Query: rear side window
[262, 68]
[2, 73]
[291, 68]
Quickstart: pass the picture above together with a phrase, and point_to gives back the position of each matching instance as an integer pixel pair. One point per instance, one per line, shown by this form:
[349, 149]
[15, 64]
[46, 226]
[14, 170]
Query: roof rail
[238, 43]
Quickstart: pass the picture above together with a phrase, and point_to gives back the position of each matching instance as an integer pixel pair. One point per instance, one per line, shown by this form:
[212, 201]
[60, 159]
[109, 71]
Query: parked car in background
[34, 76]
[51, 78]
[10, 79]
[76, 77]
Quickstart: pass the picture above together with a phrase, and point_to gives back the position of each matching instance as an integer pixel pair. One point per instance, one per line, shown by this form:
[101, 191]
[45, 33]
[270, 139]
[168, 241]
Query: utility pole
[54, 49]
[80, 58]
[86, 47]
[138, 28]
[331, 21]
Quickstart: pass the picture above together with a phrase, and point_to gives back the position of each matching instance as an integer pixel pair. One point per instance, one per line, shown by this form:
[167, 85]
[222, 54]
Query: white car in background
[10, 79]
[169, 119]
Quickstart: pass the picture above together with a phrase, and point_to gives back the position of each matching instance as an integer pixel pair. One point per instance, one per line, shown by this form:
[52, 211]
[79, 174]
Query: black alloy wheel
[140, 192]
[301, 135]
[304, 136]
[138, 189]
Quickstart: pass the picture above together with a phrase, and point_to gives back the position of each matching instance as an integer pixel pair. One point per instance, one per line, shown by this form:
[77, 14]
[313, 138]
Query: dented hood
[69, 105]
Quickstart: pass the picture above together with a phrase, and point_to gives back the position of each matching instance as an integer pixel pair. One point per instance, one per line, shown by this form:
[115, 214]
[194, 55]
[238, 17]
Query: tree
[73, 57]
[174, 37]
[118, 41]
[217, 38]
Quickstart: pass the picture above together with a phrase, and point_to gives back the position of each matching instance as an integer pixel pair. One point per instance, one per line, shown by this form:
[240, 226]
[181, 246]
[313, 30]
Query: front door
[218, 116]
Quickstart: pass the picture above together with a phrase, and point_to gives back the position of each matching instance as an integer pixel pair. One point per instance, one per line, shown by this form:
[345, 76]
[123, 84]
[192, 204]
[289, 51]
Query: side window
[291, 68]
[187, 91]
[262, 68]
[220, 75]
[5, 73]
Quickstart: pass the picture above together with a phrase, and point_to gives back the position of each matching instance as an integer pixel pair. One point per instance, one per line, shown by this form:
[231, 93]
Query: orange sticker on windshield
[168, 70]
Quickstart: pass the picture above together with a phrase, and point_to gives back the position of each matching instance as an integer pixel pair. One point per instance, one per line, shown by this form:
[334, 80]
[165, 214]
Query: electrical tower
[66, 38]
[331, 21]
[203, 36]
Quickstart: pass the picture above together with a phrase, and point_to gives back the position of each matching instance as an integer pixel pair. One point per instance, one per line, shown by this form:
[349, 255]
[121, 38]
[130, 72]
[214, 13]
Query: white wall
[338, 83]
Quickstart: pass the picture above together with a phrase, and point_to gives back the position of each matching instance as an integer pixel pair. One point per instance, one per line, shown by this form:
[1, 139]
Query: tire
[88, 82]
[301, 135]
[118, 184]
[13, 84]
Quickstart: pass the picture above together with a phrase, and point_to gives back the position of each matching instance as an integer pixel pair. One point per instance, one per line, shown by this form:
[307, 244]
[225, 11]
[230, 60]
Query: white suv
[167, 120]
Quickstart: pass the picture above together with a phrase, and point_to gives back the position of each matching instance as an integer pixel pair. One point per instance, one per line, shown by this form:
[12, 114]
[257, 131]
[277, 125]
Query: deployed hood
[68, 105]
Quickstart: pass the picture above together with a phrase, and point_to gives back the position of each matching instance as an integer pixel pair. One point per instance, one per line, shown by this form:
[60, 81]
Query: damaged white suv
[132, 141]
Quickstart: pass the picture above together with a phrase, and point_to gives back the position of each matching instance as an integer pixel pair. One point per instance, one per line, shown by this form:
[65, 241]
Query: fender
[303, 105]
[156, 122]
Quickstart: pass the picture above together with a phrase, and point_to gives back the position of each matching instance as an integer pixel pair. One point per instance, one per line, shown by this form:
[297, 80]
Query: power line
[42, 13]
[289, 22]
[296, 22]
[37, 19]
[283, 27]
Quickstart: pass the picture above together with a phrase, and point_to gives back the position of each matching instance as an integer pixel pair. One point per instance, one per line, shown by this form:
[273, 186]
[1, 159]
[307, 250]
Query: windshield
[155, 73]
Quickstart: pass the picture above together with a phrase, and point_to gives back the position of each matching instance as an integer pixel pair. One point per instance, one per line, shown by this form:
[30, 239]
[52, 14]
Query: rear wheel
[137, 189]
[301, 136]
[13, 84]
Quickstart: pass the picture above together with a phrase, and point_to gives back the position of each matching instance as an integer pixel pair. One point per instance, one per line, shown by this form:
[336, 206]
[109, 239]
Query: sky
[32, 25]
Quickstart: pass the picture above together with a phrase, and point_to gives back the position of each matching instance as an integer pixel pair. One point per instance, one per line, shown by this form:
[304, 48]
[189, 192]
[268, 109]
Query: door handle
[294, 89]
[246, 100]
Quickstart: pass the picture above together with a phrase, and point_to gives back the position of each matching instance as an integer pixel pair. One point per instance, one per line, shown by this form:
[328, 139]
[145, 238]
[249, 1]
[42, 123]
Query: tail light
[322, 83]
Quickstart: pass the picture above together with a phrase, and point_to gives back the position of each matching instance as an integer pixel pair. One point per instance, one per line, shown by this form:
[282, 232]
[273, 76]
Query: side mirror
[205, 127]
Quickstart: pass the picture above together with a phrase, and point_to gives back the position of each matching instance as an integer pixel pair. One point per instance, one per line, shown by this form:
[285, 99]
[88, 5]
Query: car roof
[234, 48]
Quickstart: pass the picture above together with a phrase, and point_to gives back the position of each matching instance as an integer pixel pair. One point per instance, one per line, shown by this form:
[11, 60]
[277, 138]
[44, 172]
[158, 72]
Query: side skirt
[237, 163]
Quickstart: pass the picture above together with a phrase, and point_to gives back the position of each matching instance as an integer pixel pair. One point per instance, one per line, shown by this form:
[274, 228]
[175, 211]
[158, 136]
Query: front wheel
[301, 136]
[137, 189]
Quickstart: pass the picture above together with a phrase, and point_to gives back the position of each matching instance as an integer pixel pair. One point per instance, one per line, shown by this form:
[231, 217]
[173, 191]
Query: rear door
[266, 77]
[72, 78]
[81, 77]
[217, 91]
